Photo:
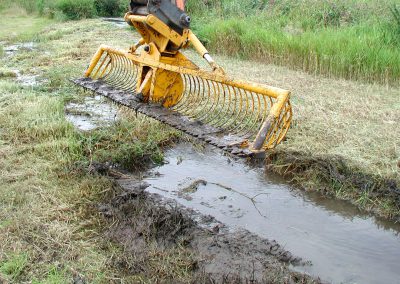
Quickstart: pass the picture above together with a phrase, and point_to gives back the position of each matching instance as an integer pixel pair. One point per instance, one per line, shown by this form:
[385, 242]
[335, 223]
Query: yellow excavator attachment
[158, 80]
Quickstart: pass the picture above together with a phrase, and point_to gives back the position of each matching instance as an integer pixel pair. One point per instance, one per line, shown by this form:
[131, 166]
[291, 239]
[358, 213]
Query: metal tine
[205, 99]
[191, 92]
[106, 69]
[249, 115]
[282, 124]
[110, 75]
[228, 114]
[99, 67]
[113, 74]
[205, 116]
[237, 119]
[263, 111]
[130, 81]
[118, 71]
[122, 73]
[191, 98]
[192, 105]
[125, 82]
[249, 129]
[271, 137]
[258, 115]
[134, 76]
[187, 92]
[276, 134]
[216, 119]
[225, 107]
[189, 95]
[288, 112]
[210, 118]
[202, 113]
[238, 109]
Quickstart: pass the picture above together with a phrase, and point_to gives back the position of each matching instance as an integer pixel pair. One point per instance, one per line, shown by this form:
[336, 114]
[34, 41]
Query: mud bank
[218, 254]
[337, 177]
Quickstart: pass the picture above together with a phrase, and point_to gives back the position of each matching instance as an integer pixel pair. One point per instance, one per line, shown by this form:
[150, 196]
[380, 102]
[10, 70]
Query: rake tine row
[230, 109]
[209, 134]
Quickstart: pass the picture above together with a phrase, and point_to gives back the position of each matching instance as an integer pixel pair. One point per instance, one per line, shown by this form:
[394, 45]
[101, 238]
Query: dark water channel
[343, 244]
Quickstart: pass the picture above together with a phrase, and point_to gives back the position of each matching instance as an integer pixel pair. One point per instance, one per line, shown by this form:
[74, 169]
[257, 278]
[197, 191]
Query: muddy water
[12, 49]
[343, 244]
[93, 112]
[119, 22]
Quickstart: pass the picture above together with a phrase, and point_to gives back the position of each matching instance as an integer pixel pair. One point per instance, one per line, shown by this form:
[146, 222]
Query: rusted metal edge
[209, 134]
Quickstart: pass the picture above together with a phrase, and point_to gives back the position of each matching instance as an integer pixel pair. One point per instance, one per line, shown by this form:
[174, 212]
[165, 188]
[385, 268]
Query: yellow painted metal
[259, 114]
[154, 30]
[168, 88]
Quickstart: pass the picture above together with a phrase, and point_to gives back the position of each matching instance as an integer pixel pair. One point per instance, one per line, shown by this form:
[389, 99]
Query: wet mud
[11, 50]
[92, 113]
[119, 22]
[344, 244]
[31, 79]
[220, 254]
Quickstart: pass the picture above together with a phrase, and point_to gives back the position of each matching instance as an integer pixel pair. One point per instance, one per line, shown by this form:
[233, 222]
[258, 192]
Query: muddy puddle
[92, 113]
[119, 22]
[343, 244]
[10, 50]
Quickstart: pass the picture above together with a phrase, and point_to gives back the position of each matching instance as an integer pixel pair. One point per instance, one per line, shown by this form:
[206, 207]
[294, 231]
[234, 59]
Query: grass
[50, 230]
[15, 27]
[68, 9]
[356, 40]
[14, 265]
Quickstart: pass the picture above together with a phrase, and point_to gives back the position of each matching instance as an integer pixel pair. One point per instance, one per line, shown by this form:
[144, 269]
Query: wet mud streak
[220, 255]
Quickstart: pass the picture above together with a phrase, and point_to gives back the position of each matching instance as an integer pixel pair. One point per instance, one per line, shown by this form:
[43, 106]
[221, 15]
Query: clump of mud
[213, 252]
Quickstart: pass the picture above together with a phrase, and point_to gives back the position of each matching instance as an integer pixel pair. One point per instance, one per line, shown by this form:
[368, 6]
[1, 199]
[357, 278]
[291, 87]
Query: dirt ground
[214, 252]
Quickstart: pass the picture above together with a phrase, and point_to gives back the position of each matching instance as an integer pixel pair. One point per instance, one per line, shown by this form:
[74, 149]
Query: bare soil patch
[212, 253]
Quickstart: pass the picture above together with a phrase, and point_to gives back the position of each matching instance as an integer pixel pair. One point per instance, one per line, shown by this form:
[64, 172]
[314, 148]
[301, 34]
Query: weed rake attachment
[155, 78]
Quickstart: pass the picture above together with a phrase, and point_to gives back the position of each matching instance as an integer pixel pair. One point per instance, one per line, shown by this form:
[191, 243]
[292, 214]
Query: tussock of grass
[7, 74]
[13, 266]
